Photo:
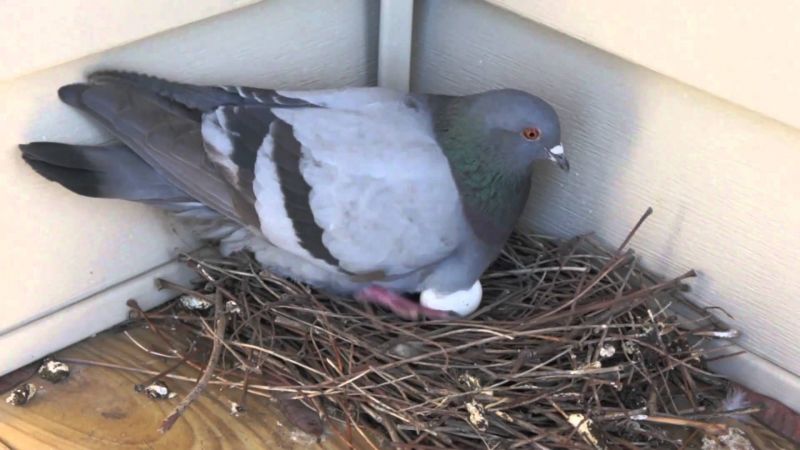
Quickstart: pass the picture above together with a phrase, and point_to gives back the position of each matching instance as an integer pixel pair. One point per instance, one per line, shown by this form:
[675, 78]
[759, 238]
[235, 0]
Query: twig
[140, 387]
[220, 320]
[708, 427]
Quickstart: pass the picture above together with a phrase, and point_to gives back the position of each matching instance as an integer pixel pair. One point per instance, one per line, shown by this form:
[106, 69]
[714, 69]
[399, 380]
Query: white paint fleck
[194, 303]
[157, 391]
[21, 395]
[469, 381]
[231, 307]
[53, 371]
[728, 334]
[236, 409]
[734, 439]
[476, 415]
[505, 416]
[608, 351]
[583, 425]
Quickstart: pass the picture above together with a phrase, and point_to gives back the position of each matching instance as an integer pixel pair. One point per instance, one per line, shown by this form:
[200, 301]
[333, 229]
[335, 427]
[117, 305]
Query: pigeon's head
[519, 126]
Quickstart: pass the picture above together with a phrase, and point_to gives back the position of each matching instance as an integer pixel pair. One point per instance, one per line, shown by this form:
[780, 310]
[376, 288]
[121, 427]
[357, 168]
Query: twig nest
[552, 360]
[21, 395]
[194, 303]
[158, 390]
[53, 371]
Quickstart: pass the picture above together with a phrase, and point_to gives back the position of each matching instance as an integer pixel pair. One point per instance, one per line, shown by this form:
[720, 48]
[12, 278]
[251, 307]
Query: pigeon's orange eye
[531, 133]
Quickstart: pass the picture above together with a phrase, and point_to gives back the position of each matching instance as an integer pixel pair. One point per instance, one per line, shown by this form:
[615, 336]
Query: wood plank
[97, 408]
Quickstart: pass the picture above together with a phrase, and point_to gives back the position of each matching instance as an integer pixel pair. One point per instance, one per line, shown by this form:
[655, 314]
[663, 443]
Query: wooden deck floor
[97, 408]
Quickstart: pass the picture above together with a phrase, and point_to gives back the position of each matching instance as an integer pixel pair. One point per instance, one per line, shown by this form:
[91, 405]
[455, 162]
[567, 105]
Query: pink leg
[401, 306]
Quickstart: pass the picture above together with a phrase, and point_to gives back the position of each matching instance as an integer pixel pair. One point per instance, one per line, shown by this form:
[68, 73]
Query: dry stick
[144, 348]
[729, 413]
[219, 333]
[245, 388]
[635, 228]
[171, 376]
[613, 264]
[709, 428]
[134, 305]
[140, 387]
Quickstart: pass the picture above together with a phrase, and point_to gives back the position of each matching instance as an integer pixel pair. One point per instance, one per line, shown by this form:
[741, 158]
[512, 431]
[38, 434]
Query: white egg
[462, 303]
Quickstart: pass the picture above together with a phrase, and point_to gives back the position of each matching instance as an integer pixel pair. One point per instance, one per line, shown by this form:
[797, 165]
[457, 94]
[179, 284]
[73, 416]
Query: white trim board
[746, 368]
[394, 43]
[84, 318]
[761, 376]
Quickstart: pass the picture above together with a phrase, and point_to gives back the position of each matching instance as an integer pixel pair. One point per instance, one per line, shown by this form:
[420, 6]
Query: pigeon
[359, 191]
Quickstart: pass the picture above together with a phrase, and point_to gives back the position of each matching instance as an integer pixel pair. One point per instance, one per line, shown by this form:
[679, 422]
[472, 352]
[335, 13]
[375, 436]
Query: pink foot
[401, 306]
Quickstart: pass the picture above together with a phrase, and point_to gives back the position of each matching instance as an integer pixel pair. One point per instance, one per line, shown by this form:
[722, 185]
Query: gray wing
[357, 183]
[351, 180]
[166, 138]
[161, 122]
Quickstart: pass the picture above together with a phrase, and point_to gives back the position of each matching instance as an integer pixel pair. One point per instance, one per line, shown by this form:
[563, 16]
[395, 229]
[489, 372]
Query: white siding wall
[742, 51]
[79, 256]
[723, 180]
[38, 34]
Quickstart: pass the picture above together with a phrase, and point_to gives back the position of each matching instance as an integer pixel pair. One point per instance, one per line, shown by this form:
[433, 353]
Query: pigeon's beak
[556, 154]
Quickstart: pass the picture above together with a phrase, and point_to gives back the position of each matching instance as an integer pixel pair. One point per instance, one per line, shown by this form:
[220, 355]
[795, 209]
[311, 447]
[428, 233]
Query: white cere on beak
[462, 303]
[556, 154]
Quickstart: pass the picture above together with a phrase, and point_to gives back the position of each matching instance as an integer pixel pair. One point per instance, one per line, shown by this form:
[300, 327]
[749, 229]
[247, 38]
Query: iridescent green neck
[492, 189]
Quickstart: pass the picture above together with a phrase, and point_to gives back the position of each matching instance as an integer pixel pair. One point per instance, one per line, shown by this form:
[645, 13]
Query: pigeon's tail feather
[115, 171]
[107, 171]
[166, 136]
